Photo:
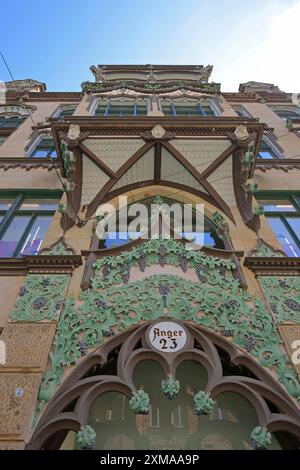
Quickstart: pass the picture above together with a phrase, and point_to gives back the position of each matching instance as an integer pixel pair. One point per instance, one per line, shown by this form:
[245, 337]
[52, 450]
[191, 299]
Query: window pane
[279, 205]
[13, 235]
[66, 112]
[37, 205]
[295, 224]
[5, 204]
[288, 243]
[36, 235]
[265, 154]
[40, 153]
[100, 111]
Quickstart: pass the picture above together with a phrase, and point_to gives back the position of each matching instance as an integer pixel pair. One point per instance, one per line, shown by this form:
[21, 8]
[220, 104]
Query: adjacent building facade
[132, 342]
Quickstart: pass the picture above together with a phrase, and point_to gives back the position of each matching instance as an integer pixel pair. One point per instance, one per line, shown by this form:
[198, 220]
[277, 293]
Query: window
[121, 109]
[241, 111]
[283, 215]
[11, 121]
[266, 151]
[24, 222]
[269, 147]
[65, 111]
[119, 237]
[44, 149]
[181, 109]
[287, 113]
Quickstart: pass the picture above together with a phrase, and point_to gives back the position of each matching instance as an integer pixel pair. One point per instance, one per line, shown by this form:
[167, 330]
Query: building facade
[134, 342]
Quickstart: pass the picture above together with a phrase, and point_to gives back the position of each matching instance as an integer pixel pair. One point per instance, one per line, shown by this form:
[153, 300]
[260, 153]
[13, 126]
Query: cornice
[273, 265]
[7, 163]
[135, 126]
[69, 96]
[284, 164]
[54, 264]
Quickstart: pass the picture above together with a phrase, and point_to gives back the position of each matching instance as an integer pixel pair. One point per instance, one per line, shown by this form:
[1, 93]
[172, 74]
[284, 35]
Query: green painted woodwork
[86, 438]
[261, 438]
[203, 403]
[140, 403]
[40, 298]
[283, 296]
[170, 387]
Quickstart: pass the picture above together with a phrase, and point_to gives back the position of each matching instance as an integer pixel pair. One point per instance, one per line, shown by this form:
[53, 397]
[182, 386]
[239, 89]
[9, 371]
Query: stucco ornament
[241, 133]
[170, 387]
[203, 403]
[158, 131]
[140, 403]
[86, 438]
[261, 438]
[74, 132]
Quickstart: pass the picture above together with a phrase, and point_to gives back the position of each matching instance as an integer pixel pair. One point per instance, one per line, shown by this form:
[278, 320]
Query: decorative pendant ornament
[86, 438]
[140, 403]
[170, 387]
[203, 403]
[261, 438]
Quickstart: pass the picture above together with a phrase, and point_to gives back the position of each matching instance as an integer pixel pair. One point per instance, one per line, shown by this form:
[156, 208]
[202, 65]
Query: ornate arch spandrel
[86, 389]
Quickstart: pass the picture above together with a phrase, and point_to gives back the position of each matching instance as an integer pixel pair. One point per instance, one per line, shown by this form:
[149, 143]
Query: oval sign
[168, 337]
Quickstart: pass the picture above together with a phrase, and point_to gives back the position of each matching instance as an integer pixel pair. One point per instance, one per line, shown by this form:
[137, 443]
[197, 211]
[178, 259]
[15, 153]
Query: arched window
[287, 113]
[12, 117]
[121, 107]
[121, 236]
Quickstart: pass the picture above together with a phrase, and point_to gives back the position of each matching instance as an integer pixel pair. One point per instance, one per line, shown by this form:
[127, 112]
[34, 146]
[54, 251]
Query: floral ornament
[86, 438]
[259, 210]
[170, 387]
[140, 403]
[203, 403]
[261, 438]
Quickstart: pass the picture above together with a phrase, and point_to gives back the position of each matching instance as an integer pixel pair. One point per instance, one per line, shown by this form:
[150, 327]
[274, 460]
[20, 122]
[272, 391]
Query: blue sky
[56, 41]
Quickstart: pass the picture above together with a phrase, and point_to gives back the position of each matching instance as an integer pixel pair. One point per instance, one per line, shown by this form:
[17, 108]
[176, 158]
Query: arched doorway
[99, 391]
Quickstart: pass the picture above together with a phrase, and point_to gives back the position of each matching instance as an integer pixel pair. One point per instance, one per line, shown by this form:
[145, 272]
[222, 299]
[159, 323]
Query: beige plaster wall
[15, 145]
[9, 288]
[289, 142]
[37, 178]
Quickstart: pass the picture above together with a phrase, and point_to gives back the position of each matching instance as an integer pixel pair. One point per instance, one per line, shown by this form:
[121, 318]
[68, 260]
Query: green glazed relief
[140, 403]
[203, 403]
[40, 298]
[215, 301]
[170, 387]
[86, 438]
[283, 296]
[261, 438]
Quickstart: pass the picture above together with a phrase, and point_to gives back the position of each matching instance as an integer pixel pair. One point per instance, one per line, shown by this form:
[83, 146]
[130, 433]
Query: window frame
[294, 109]
[33, 148]
[184, 102]
[119, 101]
[18, 198]
[294, 198]
[58, 112]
